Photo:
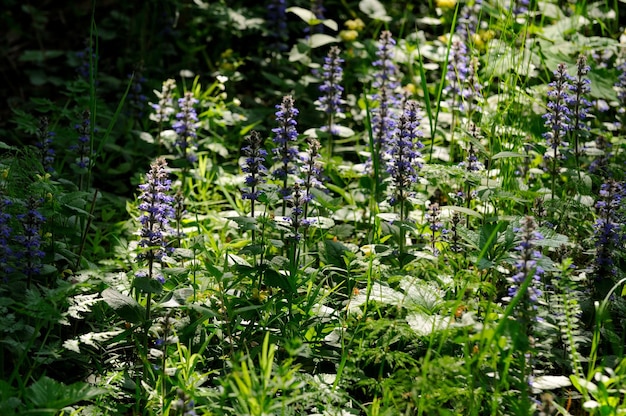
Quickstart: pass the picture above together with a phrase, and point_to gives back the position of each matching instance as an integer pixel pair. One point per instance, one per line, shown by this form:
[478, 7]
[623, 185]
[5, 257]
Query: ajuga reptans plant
[185, 127]
[285, 152]
[156, 205]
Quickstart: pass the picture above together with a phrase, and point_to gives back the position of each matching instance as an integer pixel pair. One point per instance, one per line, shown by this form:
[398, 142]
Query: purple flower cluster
[44, 143]
[526, 268]
[164, 109]
[609, 227]
[30, 239]
[185, 126]
[87, 58]
[620, 85]
[330, 100]
[277, 24]
[285, 135]
[403, 154]
[558, 118]
[157, 210]
[458, 68]
[6, 252]
[83, 147]
[136, 98]
[386, 82]
[254, 166]
[468, 21]
[580, 88]
[472, 164]
[521, 7]
[297, 217]
[311, 169]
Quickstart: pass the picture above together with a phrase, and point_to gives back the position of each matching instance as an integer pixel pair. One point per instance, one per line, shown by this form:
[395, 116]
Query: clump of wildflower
[468, 21]
[6, 252]
[433, 218]
[330, 100]
[620, 85]
[526, 269]
[179, 212]
[318, 10]
[285, 135]
[277, 24]
[297, 217]
[609, 227]
[87, 58]
[458, 69]
[521, 7]
[311, 171]
[403, 155]
[136, 98]
[472, 164]
[526, 283]
[157, 211]
[83, 146]
[580, 88]
[600, 164]
[185, 126]
[558, 117]
[386, 82]
[184, 405]
[30, 239]
[44, 143]
[254, 166]
[164, 108]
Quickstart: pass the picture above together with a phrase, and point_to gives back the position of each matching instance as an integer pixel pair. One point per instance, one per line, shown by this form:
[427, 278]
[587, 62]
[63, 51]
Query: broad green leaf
[463, 210]
[503, 155]
[374, 10]
[331, 252]
[147, 285]
[49, 396]
[319, 39]
[306, 15]
[124, 306]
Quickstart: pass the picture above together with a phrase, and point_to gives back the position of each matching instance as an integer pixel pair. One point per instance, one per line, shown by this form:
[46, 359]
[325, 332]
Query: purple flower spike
[157, 210]
[558, 118]
[526, 268]
[403, 154]
[386, 82]
[254, 166]
[609, 228]
[185, 126]
[285, 135]
[332, 74]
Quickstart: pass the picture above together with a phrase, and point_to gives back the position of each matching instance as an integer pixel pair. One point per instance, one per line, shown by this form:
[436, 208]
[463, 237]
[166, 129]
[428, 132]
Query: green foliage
[344, 304]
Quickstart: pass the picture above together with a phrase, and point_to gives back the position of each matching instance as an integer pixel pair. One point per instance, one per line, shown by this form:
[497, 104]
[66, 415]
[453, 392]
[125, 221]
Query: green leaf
[147, 285]
[374, 10]
[306, 15]
[251, 250]
[332, 252]
[319, 39]
[464, 210]
[502, 155]
[124, 306]
[50, 396]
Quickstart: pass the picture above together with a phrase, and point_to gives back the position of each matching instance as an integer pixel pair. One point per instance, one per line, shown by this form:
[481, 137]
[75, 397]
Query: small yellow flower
[410, 88]
[356, 24]
[446, 4]
[348, 35]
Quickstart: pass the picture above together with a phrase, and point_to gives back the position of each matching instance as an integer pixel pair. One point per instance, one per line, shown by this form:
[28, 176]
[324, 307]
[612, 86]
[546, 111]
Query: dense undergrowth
[320, 208]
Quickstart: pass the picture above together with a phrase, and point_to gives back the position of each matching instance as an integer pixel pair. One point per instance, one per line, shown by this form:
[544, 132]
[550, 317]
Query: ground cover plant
[314, 208]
